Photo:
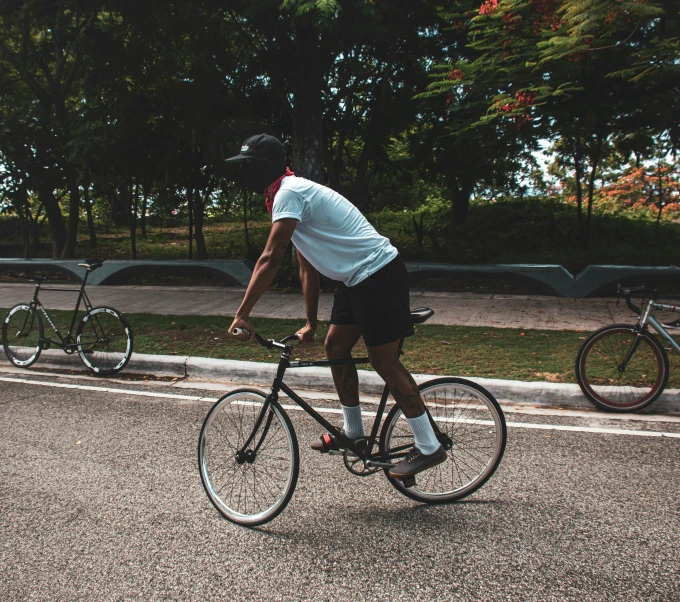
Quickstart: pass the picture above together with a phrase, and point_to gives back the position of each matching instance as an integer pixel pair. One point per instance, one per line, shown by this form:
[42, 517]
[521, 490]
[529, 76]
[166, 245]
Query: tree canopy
[113, 110]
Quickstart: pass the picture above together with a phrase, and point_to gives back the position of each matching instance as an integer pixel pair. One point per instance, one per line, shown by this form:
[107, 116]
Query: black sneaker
[416, 462]
[328, 442]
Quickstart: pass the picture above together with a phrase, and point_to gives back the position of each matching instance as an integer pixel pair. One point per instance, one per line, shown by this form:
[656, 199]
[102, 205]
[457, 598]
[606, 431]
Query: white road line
[525, 425]
[508, 407]
[109, 390]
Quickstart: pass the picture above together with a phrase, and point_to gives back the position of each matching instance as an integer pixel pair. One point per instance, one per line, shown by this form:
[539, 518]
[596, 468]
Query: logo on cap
[244, 148]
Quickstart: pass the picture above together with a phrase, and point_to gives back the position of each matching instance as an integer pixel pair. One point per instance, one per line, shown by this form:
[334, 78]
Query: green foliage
[125, 111]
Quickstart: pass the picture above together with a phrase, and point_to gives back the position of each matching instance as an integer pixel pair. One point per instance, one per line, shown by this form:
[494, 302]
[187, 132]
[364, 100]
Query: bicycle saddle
[421, 314]
[91, 267]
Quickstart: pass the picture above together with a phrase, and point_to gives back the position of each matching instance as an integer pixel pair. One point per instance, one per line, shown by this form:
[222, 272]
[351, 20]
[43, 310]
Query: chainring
[355, 465]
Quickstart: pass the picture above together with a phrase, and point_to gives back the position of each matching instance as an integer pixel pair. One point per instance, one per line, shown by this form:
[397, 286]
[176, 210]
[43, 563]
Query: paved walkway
[463, 309]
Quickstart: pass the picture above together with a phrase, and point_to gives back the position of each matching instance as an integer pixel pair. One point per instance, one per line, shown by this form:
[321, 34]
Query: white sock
[354, 425]
[426, 441]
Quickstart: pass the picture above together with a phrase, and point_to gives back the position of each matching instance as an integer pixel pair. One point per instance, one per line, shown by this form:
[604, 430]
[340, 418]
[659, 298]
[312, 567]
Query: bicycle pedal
[409, 482]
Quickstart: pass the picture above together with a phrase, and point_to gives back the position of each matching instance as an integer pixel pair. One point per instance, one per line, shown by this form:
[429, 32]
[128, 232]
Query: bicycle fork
[249, 455]
[640, 328]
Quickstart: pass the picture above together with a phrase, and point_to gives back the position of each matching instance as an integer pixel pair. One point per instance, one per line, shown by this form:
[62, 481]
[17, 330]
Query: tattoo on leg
[407, 396]
[346, 382]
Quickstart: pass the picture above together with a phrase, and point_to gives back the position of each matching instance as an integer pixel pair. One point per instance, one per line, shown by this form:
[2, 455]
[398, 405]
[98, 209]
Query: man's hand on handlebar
[307, 334]
[242, 329]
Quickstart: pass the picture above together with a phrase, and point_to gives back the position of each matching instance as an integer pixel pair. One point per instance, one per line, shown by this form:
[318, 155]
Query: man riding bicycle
[331, 236]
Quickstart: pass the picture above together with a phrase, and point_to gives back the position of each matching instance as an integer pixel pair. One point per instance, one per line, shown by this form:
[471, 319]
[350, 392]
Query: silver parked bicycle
[624, 367]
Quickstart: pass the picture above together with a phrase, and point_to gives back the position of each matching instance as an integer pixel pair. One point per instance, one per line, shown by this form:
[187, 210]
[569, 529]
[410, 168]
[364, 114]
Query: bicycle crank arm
[374, 464]
[336, 452]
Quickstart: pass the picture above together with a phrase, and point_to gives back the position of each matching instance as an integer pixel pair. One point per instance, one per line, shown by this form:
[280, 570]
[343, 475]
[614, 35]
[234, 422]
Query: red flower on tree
[488, 8]
[545, 15]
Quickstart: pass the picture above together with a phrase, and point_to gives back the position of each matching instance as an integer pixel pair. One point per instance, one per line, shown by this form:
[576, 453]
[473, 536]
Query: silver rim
[108, 354]
[25, 354]
[471, 419]
[245, 493]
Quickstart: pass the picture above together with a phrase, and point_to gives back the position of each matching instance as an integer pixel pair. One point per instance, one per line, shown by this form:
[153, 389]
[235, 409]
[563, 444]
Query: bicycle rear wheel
[470, 418]
[22, 335]
[104, 341]
[598, 372]
[253, 488]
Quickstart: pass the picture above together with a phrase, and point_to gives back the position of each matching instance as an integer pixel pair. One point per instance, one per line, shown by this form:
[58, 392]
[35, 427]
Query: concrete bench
[595, 280]
[236, 272]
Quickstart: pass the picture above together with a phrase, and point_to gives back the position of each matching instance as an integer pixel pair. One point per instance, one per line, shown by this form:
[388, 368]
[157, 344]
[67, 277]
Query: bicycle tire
[461, 409]
[278, 459]
[104, 341]
[22, 356]
[647, 371]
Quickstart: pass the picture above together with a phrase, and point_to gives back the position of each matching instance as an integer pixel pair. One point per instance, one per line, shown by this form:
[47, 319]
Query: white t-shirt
[331, 233]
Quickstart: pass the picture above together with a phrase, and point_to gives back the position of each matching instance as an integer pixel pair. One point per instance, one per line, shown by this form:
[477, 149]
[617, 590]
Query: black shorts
[379, 305]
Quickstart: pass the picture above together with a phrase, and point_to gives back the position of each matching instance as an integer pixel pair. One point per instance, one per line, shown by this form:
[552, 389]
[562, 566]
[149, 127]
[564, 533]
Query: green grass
[505, 353]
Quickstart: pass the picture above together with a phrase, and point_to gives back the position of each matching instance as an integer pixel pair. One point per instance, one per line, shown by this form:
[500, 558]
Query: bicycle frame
[64, 342]
[366, 455]
[646, 318]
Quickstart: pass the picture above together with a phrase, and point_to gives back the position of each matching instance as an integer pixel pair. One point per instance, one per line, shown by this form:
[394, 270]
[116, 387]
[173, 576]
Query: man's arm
[263, 275]
[310, 288]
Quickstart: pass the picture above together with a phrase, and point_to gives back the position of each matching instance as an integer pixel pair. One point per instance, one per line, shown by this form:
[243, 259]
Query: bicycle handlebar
[269, 343]
[627, 292]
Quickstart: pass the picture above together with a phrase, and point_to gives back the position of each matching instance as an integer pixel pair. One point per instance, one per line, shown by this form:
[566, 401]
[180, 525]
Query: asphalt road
[100, 499]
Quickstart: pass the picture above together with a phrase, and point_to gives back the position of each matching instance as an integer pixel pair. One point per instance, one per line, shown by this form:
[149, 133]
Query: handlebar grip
[237, 331]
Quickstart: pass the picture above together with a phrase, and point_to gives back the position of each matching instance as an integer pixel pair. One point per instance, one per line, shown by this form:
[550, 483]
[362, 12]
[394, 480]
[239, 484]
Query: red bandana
[272, 189]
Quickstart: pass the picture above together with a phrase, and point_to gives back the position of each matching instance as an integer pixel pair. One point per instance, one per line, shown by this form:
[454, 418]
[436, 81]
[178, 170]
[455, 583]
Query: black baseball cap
[261, 146]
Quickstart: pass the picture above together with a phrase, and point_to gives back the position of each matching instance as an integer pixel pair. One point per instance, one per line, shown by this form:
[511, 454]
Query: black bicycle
[103, 339]
[248, 453]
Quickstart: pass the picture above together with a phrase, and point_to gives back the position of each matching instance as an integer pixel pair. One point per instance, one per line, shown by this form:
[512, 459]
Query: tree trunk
[90, 220]
[36, 228]
[69, 251]
[577, 176]
[145, 202]
[190, 194]
[661, 203]
[201, 251]
[245, 220]
[307, 92]
[55, 218]
[360, 188]
[594, 163]
[20, 200]
[118, 209]
[460, 207]
[132, 216]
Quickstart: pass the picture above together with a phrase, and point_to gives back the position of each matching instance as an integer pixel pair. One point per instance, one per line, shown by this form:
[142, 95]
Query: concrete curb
[200, 369]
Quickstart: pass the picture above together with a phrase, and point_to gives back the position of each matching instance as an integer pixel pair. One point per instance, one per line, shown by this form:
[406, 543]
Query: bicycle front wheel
[473, 433]
[104, 341]
[254, 487]
[22, 335]
[607, 382]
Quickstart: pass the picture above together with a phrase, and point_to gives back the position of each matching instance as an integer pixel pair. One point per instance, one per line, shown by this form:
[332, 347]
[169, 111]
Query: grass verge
[505, 353]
